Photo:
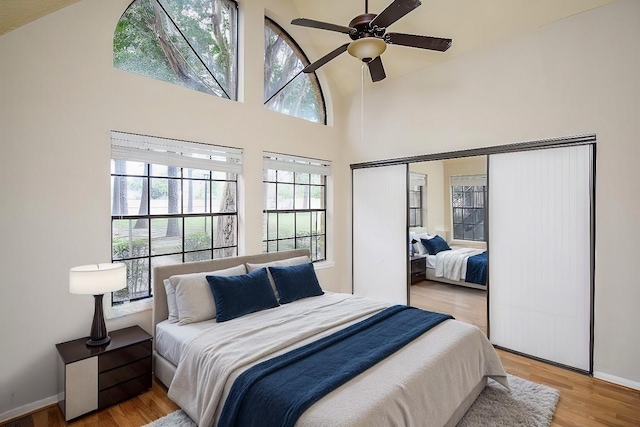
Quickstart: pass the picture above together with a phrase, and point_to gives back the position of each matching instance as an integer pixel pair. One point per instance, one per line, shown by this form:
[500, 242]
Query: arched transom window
[191, 43]
[284, 61]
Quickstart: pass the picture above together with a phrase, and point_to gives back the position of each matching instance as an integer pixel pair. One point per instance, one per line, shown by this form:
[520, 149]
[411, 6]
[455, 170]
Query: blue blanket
[477, 269]
[276, 392]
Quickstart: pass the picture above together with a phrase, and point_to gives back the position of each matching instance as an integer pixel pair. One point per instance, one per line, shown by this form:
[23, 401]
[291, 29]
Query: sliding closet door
[540, 238]
[380, 240]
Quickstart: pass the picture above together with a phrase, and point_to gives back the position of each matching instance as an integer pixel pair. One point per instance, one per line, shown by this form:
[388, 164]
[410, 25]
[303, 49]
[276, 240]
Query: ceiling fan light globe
[368, 47]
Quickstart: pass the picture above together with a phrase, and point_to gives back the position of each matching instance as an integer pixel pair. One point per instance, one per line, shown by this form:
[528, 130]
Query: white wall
[576, 76]
[60, 97]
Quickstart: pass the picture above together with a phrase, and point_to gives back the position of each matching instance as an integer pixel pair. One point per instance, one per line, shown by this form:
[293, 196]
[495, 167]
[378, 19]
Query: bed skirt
[431, 275]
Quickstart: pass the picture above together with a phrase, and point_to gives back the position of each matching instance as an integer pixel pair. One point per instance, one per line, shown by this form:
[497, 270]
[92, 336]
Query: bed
[435, 378]
[455, 265]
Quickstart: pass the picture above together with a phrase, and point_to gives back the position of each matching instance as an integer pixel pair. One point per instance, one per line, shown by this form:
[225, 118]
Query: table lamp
[96, 280]
[412, 250]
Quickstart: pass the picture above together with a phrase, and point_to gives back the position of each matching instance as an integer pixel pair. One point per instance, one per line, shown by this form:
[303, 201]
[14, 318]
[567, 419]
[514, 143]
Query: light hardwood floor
[584, 401]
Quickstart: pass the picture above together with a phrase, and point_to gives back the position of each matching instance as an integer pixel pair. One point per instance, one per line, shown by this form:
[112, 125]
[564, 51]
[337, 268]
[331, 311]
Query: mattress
[171, 338]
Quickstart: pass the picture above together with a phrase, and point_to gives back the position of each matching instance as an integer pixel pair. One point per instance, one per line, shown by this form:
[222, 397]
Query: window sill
[129, 308]
[321, 265]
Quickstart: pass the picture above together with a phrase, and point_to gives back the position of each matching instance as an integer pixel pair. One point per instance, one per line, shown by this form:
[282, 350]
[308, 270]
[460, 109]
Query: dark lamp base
[98, 336]
[92, 343]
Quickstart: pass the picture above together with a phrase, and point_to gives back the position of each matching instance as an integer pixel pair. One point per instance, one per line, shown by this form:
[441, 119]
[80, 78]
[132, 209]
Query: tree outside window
[284, 61]
[191, 43]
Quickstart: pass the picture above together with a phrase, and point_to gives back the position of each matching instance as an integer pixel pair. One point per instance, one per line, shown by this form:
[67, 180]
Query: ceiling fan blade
[304, 22]
[376, 69]
[393, 12]
[422, 42]
[328, 57]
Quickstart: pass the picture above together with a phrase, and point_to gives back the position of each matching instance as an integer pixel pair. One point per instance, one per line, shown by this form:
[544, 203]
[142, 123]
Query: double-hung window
[295, 213]
[468, 197]
[171, 201]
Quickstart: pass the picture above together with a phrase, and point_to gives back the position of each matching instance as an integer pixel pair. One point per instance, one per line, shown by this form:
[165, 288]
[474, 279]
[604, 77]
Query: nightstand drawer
[124, 356]
[124, 373]
[418, 269]
[124, 391]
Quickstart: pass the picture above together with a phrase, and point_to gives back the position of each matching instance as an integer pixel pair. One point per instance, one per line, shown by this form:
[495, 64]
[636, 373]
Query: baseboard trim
[617, 380]
[28, 409]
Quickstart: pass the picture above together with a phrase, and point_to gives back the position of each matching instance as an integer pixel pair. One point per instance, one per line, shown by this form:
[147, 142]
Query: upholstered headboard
[160, 273]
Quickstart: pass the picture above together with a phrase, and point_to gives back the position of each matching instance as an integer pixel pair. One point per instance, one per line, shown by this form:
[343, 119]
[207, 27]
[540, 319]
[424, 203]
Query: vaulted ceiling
[471, 24]
[16, 13]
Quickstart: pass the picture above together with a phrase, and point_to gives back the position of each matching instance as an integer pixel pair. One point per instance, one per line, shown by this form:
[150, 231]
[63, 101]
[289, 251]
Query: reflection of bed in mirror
[455, 265]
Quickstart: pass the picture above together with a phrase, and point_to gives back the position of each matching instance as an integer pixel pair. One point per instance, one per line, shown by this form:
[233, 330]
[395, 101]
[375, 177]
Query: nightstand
[418, 269]
[92, 378]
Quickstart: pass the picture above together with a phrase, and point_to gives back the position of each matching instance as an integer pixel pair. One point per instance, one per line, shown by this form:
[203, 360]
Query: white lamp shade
[97, 279]
[367, 47]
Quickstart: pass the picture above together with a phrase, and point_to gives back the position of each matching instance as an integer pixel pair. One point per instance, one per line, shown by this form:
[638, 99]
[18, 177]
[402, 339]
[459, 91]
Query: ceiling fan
[370, 38]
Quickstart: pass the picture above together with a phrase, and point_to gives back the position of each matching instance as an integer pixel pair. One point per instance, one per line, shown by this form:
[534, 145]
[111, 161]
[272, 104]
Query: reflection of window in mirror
[416, 186]
[468, 197]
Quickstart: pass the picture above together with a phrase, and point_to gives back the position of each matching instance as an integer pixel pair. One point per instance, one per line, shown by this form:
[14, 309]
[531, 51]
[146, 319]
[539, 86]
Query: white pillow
[171, 301]
[194, 299]
[419, 246]
[280, 263]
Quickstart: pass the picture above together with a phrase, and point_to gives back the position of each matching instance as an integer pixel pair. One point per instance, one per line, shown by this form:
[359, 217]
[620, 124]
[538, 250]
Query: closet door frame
[591, 291]
[407, 289]
[589, 139]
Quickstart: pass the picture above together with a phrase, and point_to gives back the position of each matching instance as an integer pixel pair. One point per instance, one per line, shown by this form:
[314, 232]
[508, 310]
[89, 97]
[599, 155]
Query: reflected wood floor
[584, 401]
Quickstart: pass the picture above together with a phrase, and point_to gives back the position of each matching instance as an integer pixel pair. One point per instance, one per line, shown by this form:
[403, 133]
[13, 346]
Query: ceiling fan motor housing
[361, 25]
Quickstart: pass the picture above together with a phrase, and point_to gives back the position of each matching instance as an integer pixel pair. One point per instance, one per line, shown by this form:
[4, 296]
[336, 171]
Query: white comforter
[453, 264]
[422, 384]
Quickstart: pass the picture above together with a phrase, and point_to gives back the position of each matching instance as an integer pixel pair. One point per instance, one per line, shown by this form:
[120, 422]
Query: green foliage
[300, 98]
[194, 42]
[196, 241]
[137, 269]
[122, 248]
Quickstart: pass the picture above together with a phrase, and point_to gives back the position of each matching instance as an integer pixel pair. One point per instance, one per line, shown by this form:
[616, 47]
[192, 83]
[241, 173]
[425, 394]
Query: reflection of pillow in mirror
[280, 263]
[419, 246]
[435, 245]
[193, 295]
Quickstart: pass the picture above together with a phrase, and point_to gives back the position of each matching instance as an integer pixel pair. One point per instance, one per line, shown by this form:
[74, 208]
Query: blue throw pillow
[435, 244]
[296, 282]
[236, 296]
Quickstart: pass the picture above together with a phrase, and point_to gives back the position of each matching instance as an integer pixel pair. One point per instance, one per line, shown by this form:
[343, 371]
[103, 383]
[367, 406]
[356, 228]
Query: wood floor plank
[584, 401]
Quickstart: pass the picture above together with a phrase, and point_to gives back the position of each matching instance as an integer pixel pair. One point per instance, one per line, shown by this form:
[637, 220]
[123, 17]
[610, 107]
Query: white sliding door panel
[540, 253]
[380, 240]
